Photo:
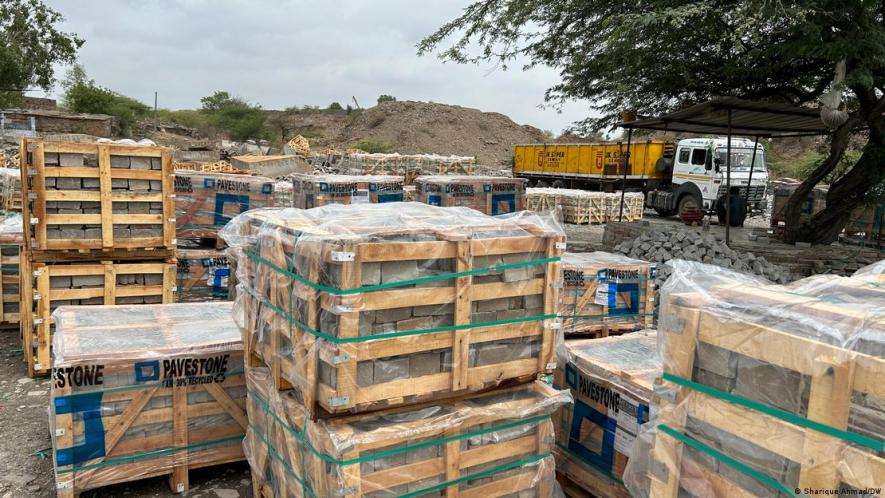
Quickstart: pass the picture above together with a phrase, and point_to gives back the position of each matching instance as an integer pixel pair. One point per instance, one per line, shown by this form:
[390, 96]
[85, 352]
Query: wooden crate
[10, 274]
[310, 191]
[611, 381]
[10, 189]
[485, 445]
[202, 275]
[205, 202]
[634, 207]
[409, 166]
[487, 194]
[748, 370]
[97, 198]
[56, 284]
[328, 331]
[579, 480]
[605, 293]
[145, 391]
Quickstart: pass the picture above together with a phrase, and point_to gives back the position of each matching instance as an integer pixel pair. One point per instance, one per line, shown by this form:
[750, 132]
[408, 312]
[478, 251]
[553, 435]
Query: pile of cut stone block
[486, 194]
[310, 191]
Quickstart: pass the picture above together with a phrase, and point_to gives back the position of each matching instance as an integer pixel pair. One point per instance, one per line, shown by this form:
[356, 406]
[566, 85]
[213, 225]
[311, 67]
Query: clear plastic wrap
[309, 191]
[382, 304]
[766, 390]
[611, 381]
[606, 293]
[491, 195]
[205, 201]
[490, 444]
[408, 166]
[10, 189]
[144, 391]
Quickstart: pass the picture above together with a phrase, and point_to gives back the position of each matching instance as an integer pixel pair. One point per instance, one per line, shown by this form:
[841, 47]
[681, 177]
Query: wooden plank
[461, 340]
[104, 172]
[178, 480]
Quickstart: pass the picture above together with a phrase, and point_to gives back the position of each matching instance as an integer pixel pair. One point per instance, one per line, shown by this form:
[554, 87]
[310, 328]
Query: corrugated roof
[748, 117]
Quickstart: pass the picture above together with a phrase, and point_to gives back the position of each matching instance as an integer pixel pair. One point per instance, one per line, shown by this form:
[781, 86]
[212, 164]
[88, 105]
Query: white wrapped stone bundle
[145, 391]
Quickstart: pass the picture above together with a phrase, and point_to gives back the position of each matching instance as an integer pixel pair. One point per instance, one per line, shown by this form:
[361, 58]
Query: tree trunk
[795, 231]
[846, 194]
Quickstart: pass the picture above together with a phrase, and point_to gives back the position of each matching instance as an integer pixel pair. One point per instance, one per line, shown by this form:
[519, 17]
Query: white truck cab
[699, 175]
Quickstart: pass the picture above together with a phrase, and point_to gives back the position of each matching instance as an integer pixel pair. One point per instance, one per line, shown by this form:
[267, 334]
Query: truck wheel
[689, 209]
[542, 184]
[558, 184]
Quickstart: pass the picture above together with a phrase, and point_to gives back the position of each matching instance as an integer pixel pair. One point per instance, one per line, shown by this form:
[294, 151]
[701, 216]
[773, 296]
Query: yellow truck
[675, 176]
[593, 165]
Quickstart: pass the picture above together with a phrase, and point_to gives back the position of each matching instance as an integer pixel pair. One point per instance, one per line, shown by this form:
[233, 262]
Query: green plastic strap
[389, 335]
[384, 454]
[607, 315]
[851, 437]
[150, 454]
[391, 285]
[722, 457]
[9, 246]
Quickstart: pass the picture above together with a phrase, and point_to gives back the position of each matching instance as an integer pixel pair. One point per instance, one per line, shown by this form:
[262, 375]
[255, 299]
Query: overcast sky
[283, 53]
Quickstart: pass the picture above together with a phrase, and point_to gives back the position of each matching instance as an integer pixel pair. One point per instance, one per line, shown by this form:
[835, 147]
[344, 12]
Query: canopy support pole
[728, 183]
[750, 177]
[626, 158]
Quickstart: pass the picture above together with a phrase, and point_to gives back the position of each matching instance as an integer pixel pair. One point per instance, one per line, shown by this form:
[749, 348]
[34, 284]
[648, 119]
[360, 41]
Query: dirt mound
[423, 127]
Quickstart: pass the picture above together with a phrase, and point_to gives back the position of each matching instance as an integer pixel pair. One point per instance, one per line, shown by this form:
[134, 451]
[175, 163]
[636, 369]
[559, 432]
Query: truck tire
[558, 184]
[690, 209]
[542, 184]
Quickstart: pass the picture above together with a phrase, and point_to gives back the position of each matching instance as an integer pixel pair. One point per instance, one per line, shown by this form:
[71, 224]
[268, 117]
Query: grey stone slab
[139, 162]
[392, 315]
[716, 360]
[424, 364]
[399, 271]
[370, 273]
[391, 369]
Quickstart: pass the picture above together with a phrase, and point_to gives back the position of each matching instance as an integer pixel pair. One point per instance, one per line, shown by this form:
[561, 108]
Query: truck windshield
[741, 158]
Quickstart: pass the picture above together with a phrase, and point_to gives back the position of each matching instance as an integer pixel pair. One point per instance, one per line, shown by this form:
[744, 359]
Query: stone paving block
[433, 309]
[139, 185]
[499, 304]
[139, 162]
[509, 314]
[489, 316]
[370, 274]
[68, 183]
[156, 185]
[121, 162]
[420, 323]
[365, 375]
[534, 301]
[716, 360]
[87, 281]
[391, 369]
[713, 380]
[775, 386]
[91, 183]
[60, 282]
[392, 315]
[153, 299]
[119, 184]
[424, 364]
[398, 271]
[137, 207]
[70, 160]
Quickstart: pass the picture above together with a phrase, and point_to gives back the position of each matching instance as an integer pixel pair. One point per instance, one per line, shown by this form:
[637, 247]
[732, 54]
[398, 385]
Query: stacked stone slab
[486, 194]
[611, 380]
[80, 284]
[145, 391]
[309, 191]
[605, 293]
[97, 197]
[408, 166]
[584, 207]
[202, 275]
[382, 274]
[10, 189]
[496, 443]
[381, 321]
[206, 201]
[765, 389]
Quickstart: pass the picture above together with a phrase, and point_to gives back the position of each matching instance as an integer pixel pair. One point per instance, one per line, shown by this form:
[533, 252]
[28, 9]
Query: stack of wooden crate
[583, 207]
[605, 293]
[487, 194]
[766, 390]
[100, 229]
[369, 331]
[309, 191]
[145, 391]
[408, 166]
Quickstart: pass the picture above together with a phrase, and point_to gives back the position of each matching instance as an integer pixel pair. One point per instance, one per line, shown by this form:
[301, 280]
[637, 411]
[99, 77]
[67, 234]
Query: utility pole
[155, 103]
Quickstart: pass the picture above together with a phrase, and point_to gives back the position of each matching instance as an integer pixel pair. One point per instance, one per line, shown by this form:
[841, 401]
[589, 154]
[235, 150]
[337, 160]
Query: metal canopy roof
[748, 117]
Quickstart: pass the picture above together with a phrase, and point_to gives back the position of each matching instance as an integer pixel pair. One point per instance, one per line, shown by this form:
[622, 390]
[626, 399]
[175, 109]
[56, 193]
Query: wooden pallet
[299, 359]
[606, 294]
[611, 383]
[417, 447]
[108, 431]
[101, 164]
[693, 325]
[39, 296]
[10, 282]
